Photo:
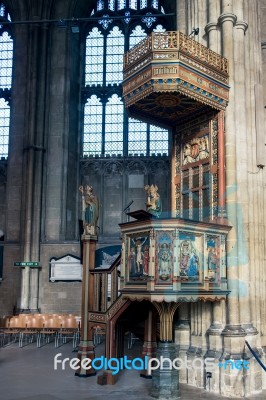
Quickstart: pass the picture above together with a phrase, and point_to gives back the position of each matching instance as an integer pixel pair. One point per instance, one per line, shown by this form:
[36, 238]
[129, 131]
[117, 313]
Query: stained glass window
[133, 4]
[6, 62]
[94, 58]
[121, 4]
[114, 56]
[137, 137]
[111, 5]
[136, 36]
[100, 5]
[155, 3]
[143, 4]
[4, 127]
[2, 10]
[159, 28]
[107, 129]
[158, 140]
[92, 140]
[114, 126]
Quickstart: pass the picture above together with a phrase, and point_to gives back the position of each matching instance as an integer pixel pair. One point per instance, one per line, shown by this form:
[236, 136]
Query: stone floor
[28, 374]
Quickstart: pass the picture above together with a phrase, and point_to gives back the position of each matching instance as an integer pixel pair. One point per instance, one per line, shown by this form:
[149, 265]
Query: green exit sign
[27, 264]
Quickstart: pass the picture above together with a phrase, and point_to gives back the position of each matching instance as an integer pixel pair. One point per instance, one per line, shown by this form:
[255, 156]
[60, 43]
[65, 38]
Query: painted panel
[138, 257]
[164, 256]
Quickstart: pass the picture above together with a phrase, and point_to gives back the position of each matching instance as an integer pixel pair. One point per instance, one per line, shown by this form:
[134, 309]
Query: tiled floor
[28, 374]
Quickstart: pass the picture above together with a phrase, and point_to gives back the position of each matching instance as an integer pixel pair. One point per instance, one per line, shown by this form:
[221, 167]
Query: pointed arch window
[114, 56]
[107, 130]
[6, 62]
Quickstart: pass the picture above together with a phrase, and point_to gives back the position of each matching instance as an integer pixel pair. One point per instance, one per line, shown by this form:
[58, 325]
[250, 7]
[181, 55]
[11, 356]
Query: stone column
[25, 290]
[215, 349]
[200, 19]
[212, 26]
[28, 179]
[38, 166]
[182, 337]
[181, 16]
[33, 164]
[256, 181]
[149, 345]
[227, 21]
[233, 333]
[57, 137]
[165, 382]
[86, 347]
[242, 178]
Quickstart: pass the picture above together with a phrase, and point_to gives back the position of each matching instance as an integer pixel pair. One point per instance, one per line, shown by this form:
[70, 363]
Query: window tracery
[106, 121]
[6, 62]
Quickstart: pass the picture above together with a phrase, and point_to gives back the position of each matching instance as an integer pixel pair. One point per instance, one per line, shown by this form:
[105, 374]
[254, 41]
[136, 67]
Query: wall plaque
[67, 268]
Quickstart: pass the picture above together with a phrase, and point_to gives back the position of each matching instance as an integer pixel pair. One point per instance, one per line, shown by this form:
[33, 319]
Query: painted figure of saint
[90, 210]
[132, 262]
[146, 260]
[164, 262]
[193, 267]
[139, 256]
[212, 259]
[189, 260]
[185, 255]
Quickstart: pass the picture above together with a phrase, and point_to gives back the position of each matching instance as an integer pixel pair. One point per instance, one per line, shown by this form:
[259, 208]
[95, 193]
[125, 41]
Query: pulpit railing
[106, 286]
[168, 44]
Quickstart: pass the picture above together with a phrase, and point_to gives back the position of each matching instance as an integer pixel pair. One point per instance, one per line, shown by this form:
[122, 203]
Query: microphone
[129, 204]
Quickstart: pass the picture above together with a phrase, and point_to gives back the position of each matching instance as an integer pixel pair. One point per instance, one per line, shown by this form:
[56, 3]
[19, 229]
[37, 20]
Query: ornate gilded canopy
[169, 78]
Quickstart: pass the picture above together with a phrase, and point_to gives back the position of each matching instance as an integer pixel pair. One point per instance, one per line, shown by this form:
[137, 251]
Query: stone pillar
[242, 177]
[233, 333]
[25, 289]
[39, 151]
[256, 181]
[149, 345]
[57, 136]
[33, 164]
[181, 16]
[227, 21]
[215, 349]
[211, 28]
[86, 347]
[165, 382]
[182, 337]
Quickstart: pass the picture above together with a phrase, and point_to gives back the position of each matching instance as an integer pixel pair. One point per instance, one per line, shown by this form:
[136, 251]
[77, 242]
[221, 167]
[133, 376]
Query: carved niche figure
[90, 210]
[164, 262]
[153, 205]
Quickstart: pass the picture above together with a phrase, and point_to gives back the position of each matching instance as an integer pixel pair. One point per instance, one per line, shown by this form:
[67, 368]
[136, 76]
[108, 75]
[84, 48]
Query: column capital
[211, 26]
[241, 25]
[225, 17]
